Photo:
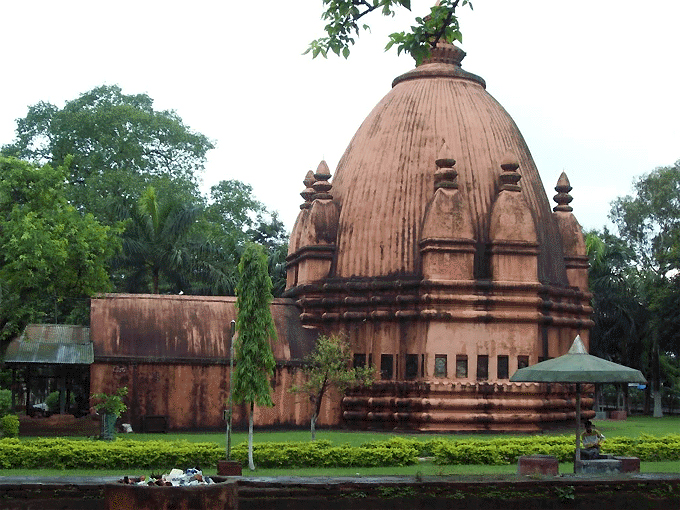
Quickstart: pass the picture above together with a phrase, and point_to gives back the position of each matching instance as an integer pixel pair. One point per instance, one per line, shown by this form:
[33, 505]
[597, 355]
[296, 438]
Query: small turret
[512, 231]
[310, 252]
[447, 243]
[573, 243]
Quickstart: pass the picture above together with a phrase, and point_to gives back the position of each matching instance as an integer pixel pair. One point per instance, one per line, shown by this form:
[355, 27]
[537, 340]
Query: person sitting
[592, 439]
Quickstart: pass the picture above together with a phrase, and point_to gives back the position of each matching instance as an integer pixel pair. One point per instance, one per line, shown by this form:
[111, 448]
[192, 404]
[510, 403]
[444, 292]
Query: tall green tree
[329, 366]
[119, 145]
[649, 222]
[344, 25]
[52, 257]
[621, 320]
[156, 248]
[235, 217]
[255, 326]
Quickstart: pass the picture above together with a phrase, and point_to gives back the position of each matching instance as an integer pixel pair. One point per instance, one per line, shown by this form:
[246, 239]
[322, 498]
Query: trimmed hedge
[9, 426]
[395, 452]
[507, 451]
[59, 453]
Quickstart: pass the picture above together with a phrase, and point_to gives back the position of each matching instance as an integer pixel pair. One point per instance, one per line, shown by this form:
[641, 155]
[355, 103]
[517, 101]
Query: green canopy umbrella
[577, 366]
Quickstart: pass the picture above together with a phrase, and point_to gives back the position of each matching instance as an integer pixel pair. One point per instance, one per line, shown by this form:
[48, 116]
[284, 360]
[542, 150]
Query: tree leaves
[255, 326]
[343, 25]
[52, 257]
[119, 145]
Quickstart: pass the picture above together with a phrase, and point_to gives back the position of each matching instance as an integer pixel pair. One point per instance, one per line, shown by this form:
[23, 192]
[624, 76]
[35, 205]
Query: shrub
[9, 426]
[60, 453]
[111, 403]
[394, 452]
[5, 402]
[52, 402]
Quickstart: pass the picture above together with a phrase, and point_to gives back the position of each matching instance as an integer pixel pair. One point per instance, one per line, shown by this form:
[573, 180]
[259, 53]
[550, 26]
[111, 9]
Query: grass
[632, 427]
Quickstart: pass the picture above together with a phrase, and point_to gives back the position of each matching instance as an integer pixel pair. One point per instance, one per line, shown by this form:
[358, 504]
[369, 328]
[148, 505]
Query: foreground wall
[647, 491]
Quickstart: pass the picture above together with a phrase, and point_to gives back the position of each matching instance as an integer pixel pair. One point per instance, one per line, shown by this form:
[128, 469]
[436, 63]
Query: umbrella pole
[577, 457]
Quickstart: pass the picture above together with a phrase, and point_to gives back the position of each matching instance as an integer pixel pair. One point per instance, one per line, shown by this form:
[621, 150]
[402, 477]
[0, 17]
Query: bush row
[323, 454]
[507, 451]
[59, 453]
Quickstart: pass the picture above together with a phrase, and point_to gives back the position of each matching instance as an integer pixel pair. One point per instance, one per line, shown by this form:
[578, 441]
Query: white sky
[593, 86]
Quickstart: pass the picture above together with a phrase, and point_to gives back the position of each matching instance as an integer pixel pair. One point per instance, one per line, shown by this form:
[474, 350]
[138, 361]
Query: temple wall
[194, 397]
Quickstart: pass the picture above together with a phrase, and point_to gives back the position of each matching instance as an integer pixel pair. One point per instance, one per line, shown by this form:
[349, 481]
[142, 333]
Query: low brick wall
[639, 492]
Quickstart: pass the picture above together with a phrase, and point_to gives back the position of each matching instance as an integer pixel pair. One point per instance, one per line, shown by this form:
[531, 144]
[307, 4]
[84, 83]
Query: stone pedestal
[229, 468]
[537, 465]
[618, 415]
[629, 464]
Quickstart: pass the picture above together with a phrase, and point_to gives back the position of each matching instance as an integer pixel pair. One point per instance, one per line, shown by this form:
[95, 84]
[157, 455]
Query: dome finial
[563, 198]
[510, 177]
[445, 175]
[308, 192]
[321, 185]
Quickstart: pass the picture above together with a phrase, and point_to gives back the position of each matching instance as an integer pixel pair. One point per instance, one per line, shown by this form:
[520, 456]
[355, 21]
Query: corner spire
[563, 198]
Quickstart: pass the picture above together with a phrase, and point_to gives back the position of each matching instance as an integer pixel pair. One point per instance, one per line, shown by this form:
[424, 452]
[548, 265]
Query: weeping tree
[255, 326]
[329, 366]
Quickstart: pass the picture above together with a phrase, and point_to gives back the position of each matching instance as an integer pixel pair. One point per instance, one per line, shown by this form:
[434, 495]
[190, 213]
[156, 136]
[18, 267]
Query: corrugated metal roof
[56, 333]
[52, 344]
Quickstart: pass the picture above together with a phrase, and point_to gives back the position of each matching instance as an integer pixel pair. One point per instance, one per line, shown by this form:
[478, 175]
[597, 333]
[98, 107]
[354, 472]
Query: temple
[434, 249]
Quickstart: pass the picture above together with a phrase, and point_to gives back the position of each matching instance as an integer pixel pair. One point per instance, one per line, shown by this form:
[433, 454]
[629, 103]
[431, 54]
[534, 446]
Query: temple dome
[385, 179]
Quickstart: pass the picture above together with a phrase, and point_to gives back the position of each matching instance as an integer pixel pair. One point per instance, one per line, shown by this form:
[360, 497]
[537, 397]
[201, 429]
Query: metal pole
[231, 385]
[577, 453]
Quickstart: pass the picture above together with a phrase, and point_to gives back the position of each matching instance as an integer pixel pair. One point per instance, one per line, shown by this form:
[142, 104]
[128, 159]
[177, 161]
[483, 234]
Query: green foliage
[329, 366]
[52, 257]
[52, 401]
[119, 144]
[111, 403]
[649, 221]
[9, 426]
[5, 402]
[323, 454]
[343, 26]
[255, 326]
[621, 320]
[60, 453]
[157, 249]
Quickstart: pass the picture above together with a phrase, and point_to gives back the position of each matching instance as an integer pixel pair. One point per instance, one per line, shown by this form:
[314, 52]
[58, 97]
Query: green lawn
[632, 427]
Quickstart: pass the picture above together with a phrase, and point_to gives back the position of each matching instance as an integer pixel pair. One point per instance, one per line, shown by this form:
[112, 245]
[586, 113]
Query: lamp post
[231, 385]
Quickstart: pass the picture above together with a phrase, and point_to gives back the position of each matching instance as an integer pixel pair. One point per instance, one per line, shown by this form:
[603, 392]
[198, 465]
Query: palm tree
[157, 243]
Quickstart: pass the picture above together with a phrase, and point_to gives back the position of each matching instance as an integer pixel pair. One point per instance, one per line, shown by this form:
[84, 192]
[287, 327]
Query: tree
[621, 326]
[255, 326]
[119, 146]
[326, 367]
[620, 318]
[649, 222]
[155, 244]
[52, 257]
[235, 218]
[343, 26]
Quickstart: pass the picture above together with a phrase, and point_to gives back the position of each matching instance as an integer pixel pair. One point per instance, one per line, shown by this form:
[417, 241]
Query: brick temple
[435, 250]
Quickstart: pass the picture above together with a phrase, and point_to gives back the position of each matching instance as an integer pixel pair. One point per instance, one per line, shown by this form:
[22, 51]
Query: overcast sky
[593, 86]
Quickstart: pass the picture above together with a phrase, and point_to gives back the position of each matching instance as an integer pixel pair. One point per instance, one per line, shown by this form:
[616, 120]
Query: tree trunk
[155, 277]
[251, 464]
[658, 410]
[313, 426]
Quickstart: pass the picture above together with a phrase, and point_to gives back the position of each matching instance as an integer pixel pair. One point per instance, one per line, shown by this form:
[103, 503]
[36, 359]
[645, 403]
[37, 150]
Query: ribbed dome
[385, 179]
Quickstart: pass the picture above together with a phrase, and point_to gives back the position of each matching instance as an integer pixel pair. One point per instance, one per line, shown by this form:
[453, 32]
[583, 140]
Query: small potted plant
[111, 407]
